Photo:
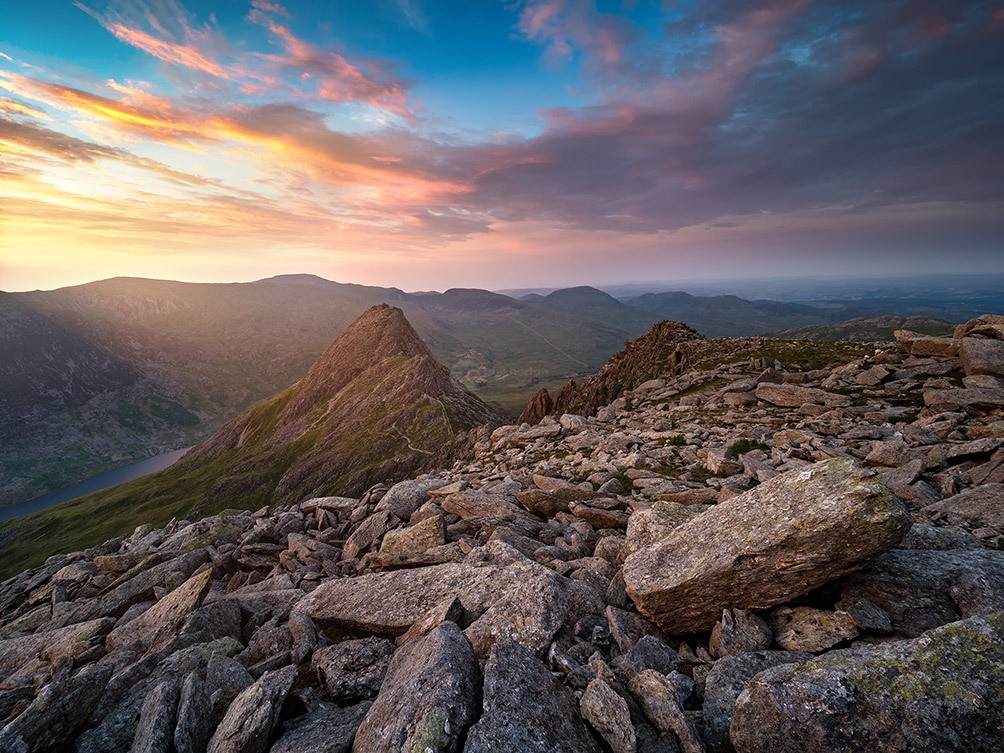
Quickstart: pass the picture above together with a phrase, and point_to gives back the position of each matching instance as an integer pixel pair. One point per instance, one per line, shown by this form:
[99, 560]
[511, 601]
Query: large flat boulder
[389, 603]
[939, 692]
[427, 698]
[766, 546]
[793, 396]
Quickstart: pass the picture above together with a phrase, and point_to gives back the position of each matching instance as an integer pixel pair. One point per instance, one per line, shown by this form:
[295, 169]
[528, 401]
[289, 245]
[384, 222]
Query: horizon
[661, 285]
[539, 143]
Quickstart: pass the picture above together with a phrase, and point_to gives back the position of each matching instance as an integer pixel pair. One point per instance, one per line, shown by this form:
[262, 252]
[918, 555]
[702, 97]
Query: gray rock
[981, 505]
[766, 546]
[526, 710]
[739, 631]
[252, 715]
[975, 400]
[939, 692]
[659, 701]
[726, 680]
[353, 670]
[155, 731]
[195, 723]
[532, 612]
[165, 614]
[982, 356]
[406, 497]
[328, 729]
[60, 711]
[646, 527]
[609, 715]
[389, 603]
[648, 653]
[369, 533]
[448, 609]
[914, 586]
[628, 628]
[415, 539]
[50, 645]
[426, 700]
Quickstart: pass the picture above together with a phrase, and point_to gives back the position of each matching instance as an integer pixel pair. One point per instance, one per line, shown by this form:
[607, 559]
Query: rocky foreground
[747, 557]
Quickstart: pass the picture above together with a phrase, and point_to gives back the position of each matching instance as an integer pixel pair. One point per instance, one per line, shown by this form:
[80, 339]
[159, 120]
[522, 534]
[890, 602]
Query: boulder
[527, 710]
[252, 715]
[766, 546]
[609, 715]
[60, 711]
[427, 697]
[980, 505]
[326, 729]
[353, 670]
[416, 539]
[648, 526]
[974, 400]
[391, 602]
[939, 692]
[739, 631]
[914, 587]
[155, 731]
[810, 630]
[793, 396]
[726, 681]
[194, 725]
[659, 701]
[406, 497]
[167, 613]
[982, 356]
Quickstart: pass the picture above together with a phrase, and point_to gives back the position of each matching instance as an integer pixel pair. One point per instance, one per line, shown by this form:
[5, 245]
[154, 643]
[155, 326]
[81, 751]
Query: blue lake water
[94, 484]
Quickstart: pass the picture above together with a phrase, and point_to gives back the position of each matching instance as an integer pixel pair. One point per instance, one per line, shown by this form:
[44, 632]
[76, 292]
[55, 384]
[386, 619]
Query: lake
[94, 484]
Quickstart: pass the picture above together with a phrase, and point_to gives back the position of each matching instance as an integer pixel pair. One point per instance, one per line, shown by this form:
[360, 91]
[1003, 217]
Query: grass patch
[743, 446]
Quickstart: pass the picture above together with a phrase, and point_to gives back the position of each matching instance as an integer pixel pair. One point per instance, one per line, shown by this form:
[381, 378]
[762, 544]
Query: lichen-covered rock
[155, 731]
[172, 609]
[981, 506]
[405, 497]
[252, 715]
[194, 725]
[726, 681]
[527, 710]
[415, 539]
[427, 697]
[58, 713]
[646, 527]
[532, 612]
[982, 356]
[941, 692]
[811, 630]
[609, 715]
[766, 546]
[353, 670]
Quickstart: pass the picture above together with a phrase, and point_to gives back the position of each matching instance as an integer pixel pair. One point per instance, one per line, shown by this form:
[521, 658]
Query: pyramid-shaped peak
[382, 331]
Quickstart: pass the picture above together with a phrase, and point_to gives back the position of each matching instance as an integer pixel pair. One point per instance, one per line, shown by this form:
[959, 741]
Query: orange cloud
[169, 52]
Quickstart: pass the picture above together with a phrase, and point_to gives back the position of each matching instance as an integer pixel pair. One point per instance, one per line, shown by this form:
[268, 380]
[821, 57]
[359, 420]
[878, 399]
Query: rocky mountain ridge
[746, 554]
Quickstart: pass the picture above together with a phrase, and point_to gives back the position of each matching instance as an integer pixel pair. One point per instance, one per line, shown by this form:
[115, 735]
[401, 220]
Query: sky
[429, 144]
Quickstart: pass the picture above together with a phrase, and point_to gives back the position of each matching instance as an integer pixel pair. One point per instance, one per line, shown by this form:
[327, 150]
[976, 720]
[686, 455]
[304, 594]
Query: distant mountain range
[875, 329]
[100, 375]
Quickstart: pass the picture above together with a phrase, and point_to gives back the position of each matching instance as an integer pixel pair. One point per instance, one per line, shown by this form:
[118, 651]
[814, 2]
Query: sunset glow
[429, 145]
